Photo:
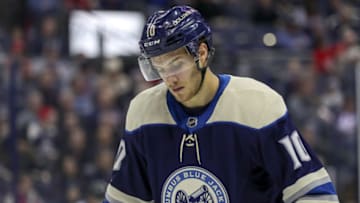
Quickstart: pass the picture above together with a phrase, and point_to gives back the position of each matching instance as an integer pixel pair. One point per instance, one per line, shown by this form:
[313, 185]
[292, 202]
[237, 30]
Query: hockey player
[203, 137]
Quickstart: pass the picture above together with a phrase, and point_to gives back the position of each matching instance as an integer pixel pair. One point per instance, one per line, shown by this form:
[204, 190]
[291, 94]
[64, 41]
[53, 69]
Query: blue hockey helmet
[165, 31]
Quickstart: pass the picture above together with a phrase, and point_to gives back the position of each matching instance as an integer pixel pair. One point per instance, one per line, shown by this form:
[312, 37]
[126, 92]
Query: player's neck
[206, 93]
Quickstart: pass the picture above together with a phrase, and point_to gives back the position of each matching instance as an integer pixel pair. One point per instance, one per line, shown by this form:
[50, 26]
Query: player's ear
[203, 54]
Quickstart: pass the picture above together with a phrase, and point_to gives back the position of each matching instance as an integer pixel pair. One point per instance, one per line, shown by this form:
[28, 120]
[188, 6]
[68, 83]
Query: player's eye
[171, 68]
[176, 66]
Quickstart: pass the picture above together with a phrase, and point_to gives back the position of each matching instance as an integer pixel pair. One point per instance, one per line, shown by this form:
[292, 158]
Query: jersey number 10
[293, 143]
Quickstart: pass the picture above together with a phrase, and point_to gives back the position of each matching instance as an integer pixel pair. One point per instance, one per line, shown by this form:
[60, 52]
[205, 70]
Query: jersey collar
[192, 123]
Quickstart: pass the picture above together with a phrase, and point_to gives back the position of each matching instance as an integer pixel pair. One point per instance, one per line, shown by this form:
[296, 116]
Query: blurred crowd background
[61, 116]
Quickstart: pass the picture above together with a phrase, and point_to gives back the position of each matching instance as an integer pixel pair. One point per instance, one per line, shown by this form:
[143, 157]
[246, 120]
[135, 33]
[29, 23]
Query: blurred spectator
[107, 112]
[344, 16]
[345, 126]
[351, 54]
[40, 8]
[346, 121]
[47, 39]
[105, 137]
[77, 146]
[292, 36]
[70, 121]
[302, 102]
[49, 87]
[38, 127]
[84, 105]
[66, 101]
[46, 144]
[73, 194]
[26, 192]
[116, 80]
[70, 179]
[325, 54]
[99, 176]
[17, 47]
[28, 77]
[332, 97]
[34, 103]
[4, 125]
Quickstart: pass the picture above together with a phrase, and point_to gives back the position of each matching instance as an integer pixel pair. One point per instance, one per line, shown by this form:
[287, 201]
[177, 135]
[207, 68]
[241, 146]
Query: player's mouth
[177, 89]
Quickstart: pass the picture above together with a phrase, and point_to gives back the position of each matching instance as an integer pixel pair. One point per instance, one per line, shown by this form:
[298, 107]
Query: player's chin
[180, 97]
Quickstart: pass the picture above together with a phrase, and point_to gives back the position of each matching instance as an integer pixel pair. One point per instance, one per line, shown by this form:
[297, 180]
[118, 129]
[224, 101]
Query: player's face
[178, 71]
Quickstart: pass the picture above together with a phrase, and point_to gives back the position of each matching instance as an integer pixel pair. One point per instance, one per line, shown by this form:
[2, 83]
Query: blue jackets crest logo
[192, 185]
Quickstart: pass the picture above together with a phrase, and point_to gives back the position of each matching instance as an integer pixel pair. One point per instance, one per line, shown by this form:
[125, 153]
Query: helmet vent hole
[174, 39]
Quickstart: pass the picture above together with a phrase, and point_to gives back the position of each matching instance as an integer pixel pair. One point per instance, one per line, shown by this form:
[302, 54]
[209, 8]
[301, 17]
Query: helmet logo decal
[152, 43]
[151, 30]
[181, 18]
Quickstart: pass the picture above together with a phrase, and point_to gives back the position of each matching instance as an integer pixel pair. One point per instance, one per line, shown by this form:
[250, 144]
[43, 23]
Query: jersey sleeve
[292, 165]
[129, 182]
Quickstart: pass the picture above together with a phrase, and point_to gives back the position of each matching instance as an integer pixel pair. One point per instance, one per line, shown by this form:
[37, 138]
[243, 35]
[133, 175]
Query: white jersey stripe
[316, 201]
[320, 199]
[305, 184]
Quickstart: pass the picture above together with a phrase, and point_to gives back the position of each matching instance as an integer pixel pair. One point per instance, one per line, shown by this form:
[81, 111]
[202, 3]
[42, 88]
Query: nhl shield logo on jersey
[193, 185]
[192, 122]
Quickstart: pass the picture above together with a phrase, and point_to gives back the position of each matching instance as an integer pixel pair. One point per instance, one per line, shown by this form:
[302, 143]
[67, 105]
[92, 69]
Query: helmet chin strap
[203, 72]
[203, 69]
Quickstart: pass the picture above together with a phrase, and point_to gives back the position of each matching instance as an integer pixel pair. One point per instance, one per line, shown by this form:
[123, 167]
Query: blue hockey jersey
[243, 148]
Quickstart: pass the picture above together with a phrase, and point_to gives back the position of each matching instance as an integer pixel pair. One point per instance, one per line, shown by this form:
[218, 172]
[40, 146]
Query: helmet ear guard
[165, 31]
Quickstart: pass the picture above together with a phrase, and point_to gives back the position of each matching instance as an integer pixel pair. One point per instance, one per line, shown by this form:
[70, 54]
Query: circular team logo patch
[193, 185]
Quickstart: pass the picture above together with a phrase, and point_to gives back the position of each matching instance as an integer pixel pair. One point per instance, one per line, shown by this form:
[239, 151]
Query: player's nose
[171, 79]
